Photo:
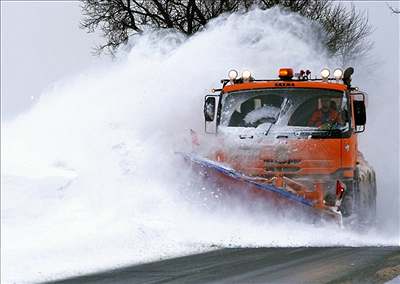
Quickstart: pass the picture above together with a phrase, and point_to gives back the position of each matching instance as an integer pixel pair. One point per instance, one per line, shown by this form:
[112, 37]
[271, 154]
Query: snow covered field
[89, 175]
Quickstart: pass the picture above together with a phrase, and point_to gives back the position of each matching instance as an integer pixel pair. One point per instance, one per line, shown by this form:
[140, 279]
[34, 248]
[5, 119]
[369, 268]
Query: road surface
[262, 265]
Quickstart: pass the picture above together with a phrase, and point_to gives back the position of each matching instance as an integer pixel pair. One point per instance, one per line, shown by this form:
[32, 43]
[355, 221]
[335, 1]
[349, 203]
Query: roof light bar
[325, 74]
[232, 74]
[338, 74]
[246, 75]
[286, 73]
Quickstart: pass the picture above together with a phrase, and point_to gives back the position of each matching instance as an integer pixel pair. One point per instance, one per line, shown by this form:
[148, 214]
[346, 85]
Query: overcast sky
[41, 42]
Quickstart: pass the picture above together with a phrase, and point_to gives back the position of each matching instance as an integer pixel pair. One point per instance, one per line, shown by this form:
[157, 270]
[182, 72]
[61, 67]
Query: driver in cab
[325, 116]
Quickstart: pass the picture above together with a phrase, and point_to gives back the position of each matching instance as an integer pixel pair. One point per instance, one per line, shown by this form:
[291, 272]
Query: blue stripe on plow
[235, 175]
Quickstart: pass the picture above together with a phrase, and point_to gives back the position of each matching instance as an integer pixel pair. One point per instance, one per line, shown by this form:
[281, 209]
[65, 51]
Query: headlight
[338, 74]
[232, 74]
[325, 73]
[246, 75]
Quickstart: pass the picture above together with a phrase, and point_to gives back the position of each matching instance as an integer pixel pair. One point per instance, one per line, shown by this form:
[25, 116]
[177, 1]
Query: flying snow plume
[90, 178]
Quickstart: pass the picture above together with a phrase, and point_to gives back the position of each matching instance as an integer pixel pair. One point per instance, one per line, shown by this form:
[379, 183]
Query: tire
[359, 202]
[348, 208]
[372, 196]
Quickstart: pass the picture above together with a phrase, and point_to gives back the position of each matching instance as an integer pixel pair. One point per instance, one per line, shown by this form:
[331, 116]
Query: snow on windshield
[263, 112]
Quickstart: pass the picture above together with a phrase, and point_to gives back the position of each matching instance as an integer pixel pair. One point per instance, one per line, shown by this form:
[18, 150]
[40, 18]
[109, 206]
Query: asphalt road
[263, 265]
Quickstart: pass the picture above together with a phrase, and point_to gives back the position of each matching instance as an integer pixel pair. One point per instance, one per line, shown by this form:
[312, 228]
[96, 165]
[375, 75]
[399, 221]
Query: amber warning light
[286, 73]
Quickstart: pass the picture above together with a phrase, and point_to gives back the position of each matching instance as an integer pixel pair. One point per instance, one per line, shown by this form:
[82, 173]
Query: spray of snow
[90, 179]
[265, 111]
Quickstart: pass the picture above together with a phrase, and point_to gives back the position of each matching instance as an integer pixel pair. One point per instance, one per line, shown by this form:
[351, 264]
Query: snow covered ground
[89, 175]
[394, 280]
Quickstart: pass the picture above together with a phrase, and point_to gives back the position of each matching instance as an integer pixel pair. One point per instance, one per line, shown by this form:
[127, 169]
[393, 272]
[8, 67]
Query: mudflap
[235, 183]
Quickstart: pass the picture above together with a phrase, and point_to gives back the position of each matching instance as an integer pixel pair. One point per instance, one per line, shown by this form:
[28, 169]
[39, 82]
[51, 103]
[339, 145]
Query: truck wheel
[347, 208]
[372, 196]
[364, 188]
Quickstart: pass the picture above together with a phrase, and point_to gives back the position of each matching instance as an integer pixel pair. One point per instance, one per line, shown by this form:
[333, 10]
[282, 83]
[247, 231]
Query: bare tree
[395, 11]
[346, 30]
[120, 19]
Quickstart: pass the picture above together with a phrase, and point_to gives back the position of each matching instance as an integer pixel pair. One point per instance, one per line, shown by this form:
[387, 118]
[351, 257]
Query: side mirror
[209, 108]
[360, 116]
[347, 76]
[211, 103]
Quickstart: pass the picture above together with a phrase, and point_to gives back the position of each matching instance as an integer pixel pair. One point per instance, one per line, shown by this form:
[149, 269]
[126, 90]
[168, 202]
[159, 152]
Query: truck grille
[286, 166]
[282, 169]
[281, 162]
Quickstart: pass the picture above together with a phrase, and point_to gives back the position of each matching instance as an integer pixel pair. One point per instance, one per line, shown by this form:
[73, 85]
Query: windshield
[307, 109]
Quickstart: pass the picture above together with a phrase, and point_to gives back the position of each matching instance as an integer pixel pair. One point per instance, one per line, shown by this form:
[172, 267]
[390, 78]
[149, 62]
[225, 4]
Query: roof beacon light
[338, 74]
[286, 73]
[233, 75]
[246, 75]
[325, 74]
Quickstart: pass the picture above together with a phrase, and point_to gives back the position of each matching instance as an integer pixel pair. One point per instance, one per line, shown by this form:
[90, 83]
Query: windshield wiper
[273, 121]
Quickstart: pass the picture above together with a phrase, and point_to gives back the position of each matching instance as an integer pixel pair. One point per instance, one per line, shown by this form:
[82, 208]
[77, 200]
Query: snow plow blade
[234, 183]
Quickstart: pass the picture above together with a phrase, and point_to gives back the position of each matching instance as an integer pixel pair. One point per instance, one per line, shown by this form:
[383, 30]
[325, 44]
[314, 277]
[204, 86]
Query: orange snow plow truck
[291, 140]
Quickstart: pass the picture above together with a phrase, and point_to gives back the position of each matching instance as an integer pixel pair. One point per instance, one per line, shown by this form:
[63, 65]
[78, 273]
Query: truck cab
[297, 133]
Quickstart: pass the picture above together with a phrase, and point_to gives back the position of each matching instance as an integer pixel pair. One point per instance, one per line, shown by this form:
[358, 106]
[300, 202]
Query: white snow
[395, 280]
[89, 176]
[262, 112]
